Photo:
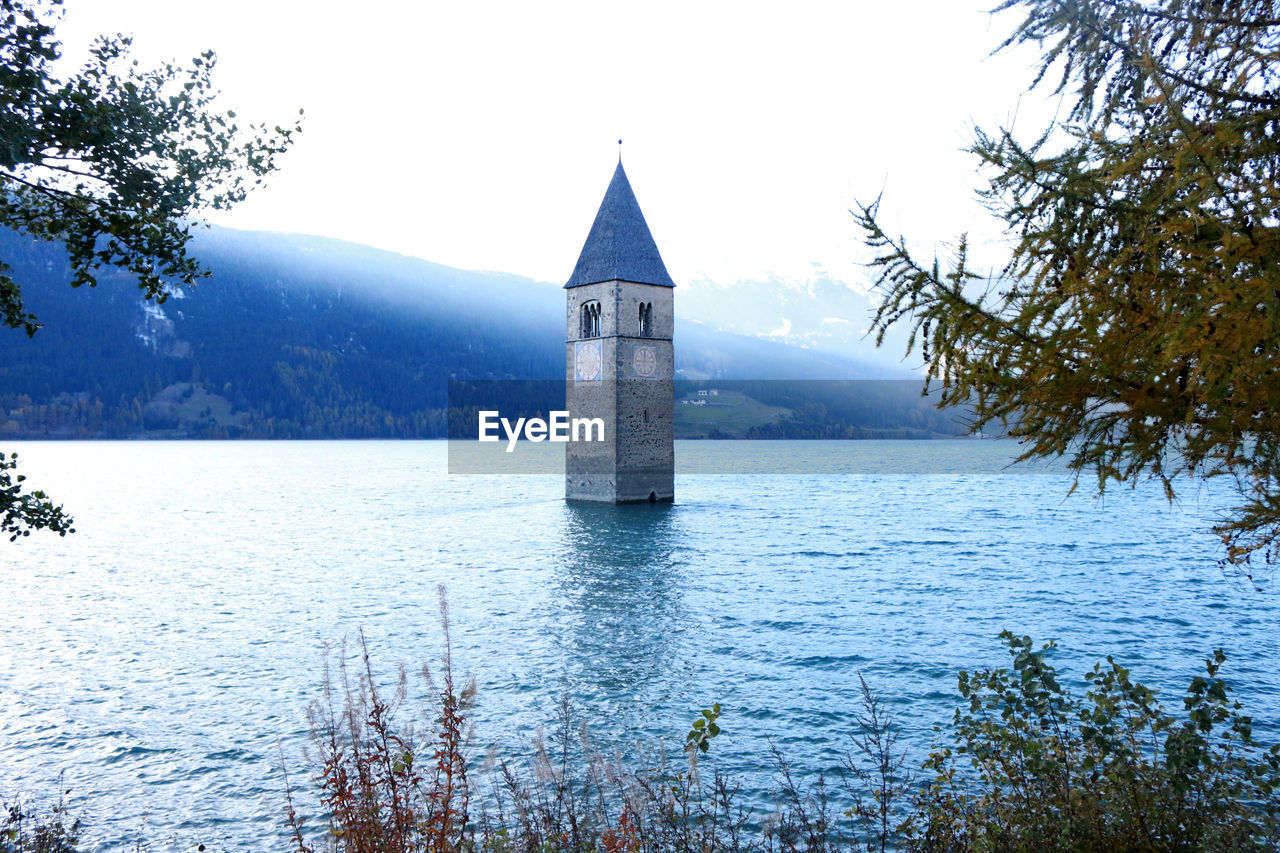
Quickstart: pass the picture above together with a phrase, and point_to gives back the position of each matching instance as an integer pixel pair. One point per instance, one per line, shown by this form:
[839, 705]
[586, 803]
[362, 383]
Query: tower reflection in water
[626, 625]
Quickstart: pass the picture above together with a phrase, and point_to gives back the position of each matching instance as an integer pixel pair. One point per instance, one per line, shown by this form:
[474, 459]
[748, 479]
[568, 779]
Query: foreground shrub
[1033, 768]
[1029, 768]
[26, 831]
[378, 795]
[383, 790]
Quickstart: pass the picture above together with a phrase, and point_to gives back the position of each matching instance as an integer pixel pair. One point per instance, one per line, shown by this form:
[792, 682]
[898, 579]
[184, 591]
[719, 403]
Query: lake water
[161, 659]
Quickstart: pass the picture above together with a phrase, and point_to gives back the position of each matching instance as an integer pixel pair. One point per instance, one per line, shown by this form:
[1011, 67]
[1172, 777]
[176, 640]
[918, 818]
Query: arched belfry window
[646, 319]
[591, 319]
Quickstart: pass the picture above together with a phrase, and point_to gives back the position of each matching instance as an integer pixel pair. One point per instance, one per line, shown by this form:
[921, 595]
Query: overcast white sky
[483, 134]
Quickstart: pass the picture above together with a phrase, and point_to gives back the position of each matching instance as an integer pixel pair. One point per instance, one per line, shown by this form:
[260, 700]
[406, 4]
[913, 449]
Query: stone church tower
[619, 361]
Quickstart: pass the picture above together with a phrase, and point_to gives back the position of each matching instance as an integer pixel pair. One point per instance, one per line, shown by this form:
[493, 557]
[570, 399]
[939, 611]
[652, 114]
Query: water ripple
[158, 657]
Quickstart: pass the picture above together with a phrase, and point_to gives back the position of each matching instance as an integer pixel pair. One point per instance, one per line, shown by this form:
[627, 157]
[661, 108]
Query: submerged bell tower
[619, 358]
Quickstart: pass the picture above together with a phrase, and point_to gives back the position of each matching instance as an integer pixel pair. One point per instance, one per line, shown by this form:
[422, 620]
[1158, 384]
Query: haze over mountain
[819, 312]
[297, 336]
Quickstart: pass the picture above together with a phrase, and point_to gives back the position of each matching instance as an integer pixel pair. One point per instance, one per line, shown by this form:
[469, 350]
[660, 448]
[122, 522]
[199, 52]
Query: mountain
[820, 312]
[297, 337]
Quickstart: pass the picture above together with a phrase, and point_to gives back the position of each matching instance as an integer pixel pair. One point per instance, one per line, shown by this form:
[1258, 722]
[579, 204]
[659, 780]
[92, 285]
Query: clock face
[644, 361]
[586, 361]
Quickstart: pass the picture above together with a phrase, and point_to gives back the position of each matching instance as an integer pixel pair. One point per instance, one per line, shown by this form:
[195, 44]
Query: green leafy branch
[704, 728]
[114, 160]
[21, 513]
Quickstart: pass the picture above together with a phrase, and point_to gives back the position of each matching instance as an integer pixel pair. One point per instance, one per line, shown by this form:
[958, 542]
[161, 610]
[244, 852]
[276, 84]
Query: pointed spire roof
[619, 244]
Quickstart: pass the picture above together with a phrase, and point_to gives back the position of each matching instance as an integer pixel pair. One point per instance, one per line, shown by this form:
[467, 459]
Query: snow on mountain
[819, 312]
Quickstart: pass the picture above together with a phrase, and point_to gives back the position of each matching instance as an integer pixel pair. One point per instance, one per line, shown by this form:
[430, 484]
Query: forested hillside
[300, 337]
